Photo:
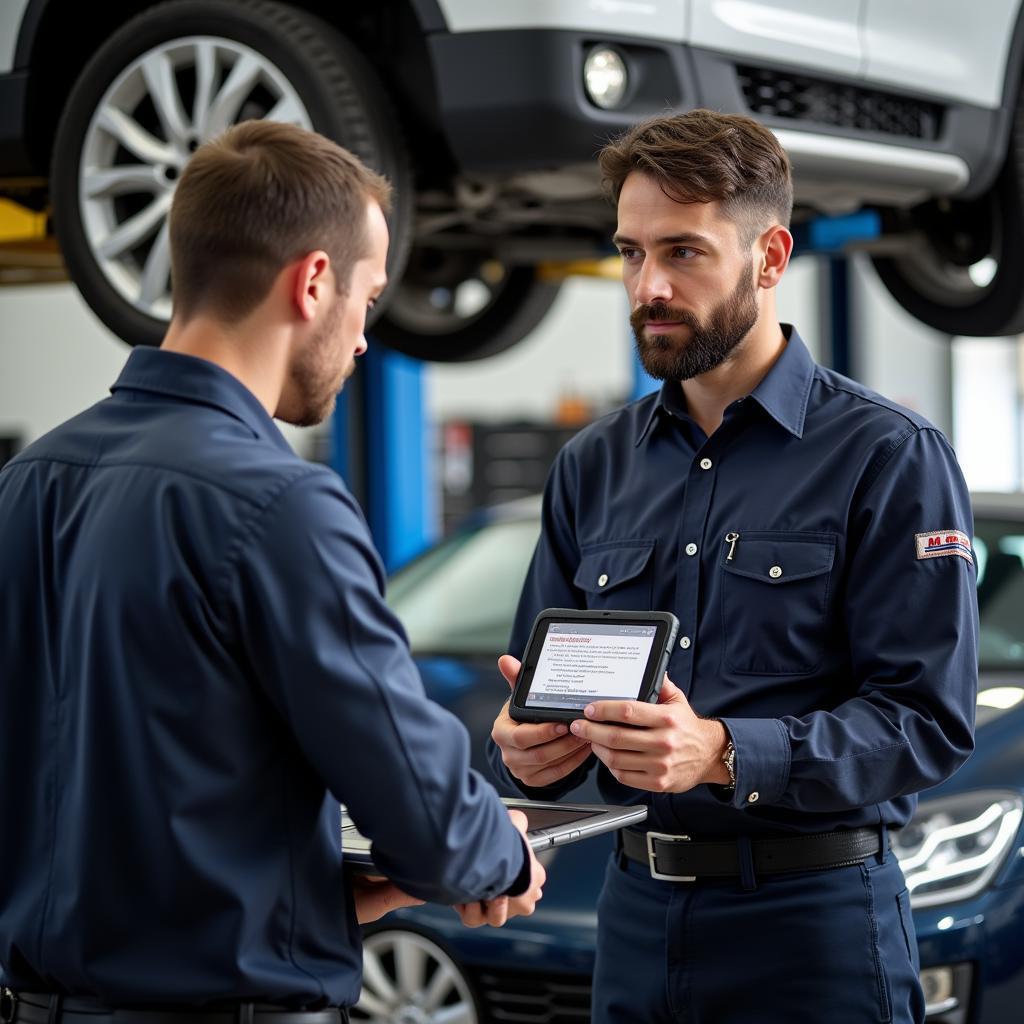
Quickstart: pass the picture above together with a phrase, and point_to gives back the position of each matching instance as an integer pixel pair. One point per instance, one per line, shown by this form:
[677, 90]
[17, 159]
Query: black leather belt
[44, 1008]
[676, 858]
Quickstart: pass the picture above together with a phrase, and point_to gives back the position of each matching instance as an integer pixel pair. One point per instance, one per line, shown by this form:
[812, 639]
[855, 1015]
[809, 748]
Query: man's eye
[683, 253]
[629, 254]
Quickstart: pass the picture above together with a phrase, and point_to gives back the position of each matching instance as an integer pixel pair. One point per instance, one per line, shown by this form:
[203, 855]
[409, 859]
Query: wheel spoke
[136, 229]
[206, 74]
[158, 72]
[373, 1005]
[233, 93]
[122, 180]
[410, 966]
[157, 274]
[441, 984]
[288, 110]
[458, 1013]
[135, 138]
[376, 978]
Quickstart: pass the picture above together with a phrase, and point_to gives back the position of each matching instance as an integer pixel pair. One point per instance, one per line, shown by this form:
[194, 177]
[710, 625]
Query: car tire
[456, 306]
[299, 68]
[939, 282]
[409, 976]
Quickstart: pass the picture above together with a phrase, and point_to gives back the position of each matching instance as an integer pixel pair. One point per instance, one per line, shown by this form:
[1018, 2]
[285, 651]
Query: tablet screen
[582, 662]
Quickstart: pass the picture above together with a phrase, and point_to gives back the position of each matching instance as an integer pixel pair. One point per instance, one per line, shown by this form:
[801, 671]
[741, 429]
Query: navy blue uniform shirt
[196, 666]
[836, 638]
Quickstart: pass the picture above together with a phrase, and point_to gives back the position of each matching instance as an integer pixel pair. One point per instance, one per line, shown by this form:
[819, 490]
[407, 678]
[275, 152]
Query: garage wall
[56, 359]
[988, 386]
[897, 356]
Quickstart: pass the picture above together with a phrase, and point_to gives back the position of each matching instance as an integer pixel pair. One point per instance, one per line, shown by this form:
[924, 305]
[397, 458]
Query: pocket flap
[779, 558]
[605, 566]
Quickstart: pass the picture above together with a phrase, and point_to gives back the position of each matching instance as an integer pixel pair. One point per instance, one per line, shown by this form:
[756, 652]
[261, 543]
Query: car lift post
[381, 447]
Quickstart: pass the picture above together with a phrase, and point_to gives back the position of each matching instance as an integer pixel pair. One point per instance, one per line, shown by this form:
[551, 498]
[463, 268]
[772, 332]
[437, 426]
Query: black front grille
[799, 98]
[523, 999]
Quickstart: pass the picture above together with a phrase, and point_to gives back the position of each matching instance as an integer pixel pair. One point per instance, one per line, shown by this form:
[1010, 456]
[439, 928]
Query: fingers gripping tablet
[576, 657]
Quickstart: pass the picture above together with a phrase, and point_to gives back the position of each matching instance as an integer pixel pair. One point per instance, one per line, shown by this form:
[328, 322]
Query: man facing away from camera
[196, 661]
[814, 541]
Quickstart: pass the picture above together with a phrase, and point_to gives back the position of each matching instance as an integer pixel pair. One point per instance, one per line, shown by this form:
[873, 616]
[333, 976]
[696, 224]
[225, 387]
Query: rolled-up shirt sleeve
[334, 661]
[911, 620]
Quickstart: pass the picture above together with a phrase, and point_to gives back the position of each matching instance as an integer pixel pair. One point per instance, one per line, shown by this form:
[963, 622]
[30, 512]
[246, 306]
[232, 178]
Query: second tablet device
[576, 657]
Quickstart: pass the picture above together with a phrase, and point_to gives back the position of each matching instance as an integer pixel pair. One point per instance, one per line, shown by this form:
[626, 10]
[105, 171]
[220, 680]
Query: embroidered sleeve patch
[943, 542]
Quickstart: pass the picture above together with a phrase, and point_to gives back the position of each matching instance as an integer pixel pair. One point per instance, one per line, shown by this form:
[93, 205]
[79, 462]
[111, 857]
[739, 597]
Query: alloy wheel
[154, 115]
[408, 979]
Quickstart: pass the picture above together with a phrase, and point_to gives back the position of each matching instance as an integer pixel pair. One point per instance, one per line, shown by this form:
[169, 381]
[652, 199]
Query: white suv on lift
[487, 117]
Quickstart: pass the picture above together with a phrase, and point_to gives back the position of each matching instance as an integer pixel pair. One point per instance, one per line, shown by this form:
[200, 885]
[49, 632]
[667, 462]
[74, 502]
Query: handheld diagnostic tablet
[576, 657]
[548, 824]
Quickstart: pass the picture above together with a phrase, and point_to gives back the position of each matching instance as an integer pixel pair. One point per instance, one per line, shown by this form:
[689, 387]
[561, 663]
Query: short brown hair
[702, 157]
[257, 197]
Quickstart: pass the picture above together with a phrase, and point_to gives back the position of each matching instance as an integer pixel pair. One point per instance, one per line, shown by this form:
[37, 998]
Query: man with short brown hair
[814, 541]
[196, 660]
[248, 204]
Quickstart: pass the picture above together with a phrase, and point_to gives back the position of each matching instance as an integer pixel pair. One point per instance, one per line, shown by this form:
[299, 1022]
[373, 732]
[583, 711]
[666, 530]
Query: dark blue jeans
[835, 945]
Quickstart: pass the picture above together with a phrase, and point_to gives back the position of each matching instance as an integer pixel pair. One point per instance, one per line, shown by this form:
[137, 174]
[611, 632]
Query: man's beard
[711, 341]
[315, 380]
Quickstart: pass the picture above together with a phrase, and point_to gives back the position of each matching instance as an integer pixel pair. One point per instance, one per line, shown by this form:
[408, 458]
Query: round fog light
[939, 985]
[605, 77]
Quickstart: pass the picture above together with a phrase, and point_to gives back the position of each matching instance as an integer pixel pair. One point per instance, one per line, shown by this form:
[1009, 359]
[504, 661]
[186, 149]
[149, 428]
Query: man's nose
[361, 347]
[652, 284]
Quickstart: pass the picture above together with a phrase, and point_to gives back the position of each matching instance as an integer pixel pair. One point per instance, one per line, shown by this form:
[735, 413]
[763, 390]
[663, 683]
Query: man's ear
[776, 246]
[312, 277]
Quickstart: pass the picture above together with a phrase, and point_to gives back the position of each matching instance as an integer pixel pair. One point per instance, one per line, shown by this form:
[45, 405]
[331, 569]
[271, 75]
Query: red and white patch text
[939, 543]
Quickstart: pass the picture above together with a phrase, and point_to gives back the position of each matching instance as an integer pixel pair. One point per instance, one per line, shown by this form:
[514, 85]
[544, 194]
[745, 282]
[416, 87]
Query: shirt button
[705, 463]
[684, 642]
[602, 579]
[752, 799]
[691, 549]
[775, 571]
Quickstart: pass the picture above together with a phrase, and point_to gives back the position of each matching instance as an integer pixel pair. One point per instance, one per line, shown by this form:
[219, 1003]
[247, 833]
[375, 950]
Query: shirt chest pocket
[617, 574]
[775, 591]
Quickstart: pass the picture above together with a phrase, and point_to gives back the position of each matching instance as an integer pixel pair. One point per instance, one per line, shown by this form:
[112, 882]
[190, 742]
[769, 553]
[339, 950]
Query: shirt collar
[197, 380]
[782, 393]
[786, 387]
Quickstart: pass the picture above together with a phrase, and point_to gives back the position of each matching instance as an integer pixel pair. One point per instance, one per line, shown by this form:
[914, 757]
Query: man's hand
[536, 753]
[377, 896]
[663, 748]
[497, 911]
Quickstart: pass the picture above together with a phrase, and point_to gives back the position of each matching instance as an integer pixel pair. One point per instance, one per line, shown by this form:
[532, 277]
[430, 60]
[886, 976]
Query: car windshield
[461, 596]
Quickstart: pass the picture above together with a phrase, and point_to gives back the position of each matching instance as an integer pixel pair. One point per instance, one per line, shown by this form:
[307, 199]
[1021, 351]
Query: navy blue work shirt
[196, 666]
[836, 638]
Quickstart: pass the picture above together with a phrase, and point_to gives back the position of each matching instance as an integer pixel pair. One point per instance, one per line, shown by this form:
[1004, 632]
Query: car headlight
[605, 77]
[953, 847]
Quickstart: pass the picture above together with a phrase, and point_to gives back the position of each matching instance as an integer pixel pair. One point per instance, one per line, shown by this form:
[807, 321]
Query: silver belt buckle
[655, 873]
[8, 1005]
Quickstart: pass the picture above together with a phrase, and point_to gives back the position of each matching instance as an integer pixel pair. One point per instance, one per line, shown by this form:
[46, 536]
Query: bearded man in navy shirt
[814, 541]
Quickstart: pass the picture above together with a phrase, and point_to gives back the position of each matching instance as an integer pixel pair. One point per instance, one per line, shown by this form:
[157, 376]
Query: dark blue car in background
[963, 853]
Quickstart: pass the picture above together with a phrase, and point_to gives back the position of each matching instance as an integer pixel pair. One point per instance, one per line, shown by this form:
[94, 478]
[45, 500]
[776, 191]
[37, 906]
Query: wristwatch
[729, 760]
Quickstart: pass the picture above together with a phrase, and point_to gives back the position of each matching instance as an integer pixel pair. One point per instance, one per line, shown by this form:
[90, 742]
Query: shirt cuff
[762, 760]
[522, 882]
